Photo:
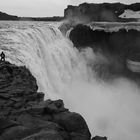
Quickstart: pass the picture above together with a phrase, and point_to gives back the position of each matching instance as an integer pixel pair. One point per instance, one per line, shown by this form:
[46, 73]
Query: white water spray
[110, 109]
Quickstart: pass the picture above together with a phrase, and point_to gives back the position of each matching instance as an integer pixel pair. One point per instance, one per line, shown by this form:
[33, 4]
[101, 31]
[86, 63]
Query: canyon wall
[108, 12]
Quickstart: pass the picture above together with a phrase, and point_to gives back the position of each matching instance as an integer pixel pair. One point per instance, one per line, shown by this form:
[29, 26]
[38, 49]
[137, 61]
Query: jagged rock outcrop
[24, 115]
[109, 12]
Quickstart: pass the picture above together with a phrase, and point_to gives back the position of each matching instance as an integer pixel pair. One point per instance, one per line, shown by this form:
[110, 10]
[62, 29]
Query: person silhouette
[2, 56]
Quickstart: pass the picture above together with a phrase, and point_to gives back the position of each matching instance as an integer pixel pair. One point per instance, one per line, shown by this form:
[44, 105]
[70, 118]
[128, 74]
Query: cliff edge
[104, 12]
[24, 115]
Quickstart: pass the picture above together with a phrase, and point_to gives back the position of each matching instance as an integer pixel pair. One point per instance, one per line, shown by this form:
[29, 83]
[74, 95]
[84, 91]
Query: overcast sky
[45, 7]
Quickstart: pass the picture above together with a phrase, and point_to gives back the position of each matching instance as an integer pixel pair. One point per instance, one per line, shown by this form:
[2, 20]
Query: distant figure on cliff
[2, 56]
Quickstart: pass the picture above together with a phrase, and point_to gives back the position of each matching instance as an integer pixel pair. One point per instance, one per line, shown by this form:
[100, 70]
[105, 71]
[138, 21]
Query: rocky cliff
[24, 115]
[109, 12]
[117, 45]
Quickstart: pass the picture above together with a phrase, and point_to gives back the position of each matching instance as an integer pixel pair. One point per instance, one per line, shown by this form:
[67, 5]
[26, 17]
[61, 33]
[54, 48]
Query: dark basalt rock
[86, 13]
[45, 135]
[123, 42]
[81, 36]
[117, 47]
[74, 124]
[109, 12]
[24, 115]
[99, 138]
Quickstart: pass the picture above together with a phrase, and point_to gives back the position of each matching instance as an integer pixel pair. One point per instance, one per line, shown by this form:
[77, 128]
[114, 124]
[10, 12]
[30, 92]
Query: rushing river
[111, 109]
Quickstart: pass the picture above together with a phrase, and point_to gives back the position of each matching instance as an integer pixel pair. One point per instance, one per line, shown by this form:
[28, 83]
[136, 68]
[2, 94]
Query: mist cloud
[111, 109]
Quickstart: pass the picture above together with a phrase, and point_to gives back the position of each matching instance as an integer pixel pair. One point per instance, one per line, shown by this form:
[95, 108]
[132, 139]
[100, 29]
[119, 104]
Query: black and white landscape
[72, 73]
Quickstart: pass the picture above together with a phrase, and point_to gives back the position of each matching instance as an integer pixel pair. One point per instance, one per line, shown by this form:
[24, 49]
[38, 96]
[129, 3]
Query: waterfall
[111, 109]
[42, 48]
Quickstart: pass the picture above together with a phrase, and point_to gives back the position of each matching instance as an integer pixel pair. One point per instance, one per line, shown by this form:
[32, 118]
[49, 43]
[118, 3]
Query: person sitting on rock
[2, 56]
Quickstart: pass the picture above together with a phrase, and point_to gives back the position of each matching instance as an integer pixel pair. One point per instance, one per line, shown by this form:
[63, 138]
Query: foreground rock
[25, 116]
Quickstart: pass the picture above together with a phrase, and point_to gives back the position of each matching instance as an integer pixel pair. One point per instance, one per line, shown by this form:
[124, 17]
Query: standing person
[2, 56]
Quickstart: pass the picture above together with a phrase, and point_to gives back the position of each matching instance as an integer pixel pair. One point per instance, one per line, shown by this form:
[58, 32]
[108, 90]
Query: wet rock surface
[24, 115]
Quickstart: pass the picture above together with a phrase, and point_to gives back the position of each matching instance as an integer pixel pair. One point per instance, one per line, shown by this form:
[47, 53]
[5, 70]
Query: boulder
[74, 124]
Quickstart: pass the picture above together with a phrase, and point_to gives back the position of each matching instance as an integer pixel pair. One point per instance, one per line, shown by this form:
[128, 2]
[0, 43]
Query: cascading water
[110, 108]
[44, 50]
